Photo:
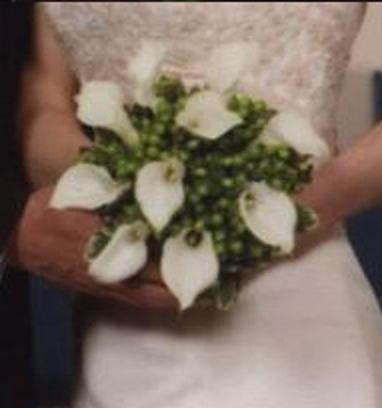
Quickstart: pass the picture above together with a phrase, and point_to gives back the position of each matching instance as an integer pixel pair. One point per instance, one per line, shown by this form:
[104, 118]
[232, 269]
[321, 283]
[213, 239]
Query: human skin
[51, 138]
[48, 242]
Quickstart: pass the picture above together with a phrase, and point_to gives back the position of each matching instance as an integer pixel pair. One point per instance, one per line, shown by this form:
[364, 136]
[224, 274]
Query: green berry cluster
[216, 173]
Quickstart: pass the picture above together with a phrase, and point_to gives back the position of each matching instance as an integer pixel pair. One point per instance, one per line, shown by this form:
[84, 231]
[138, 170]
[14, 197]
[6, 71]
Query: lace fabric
[304, 47]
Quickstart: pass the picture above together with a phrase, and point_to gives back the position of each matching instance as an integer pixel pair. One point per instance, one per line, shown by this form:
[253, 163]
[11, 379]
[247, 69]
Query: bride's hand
[321, 196]
[51, 244]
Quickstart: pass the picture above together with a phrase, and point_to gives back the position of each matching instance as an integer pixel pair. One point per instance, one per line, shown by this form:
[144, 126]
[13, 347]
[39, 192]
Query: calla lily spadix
[228, 62]
[143, 68]
[270, 215]
[159, 190]
[123, 257]
[100, 104]
[295, 130]
[189, 270]
[206, 115]
[86, 186]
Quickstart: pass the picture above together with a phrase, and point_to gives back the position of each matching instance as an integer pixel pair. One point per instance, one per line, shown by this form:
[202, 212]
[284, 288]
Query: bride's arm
[51, 136]
[48, 242]
[349, 183]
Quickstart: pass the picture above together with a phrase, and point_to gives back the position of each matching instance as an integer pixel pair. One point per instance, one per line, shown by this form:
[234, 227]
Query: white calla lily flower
[123, 257]
[227, 63]
[159, 191]
[100, 104]
[189, 270]
[295, 130]
[206, 115]
[144, 67]
[270, 215]
[86, 186]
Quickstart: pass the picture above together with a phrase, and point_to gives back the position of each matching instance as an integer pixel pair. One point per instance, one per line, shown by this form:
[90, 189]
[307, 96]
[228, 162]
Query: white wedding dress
[305, 334]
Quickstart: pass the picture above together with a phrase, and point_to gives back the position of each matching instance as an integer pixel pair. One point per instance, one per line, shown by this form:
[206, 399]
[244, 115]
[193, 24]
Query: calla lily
[227, 63]
[270, 215]
[295, 130]
[189, 270]
[124, 255]
[86, 186]
[143, 69]
[100, 103]
[207, 116]
[159, 191]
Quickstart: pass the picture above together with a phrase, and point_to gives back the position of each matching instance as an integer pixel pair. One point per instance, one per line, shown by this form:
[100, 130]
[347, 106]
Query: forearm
[50, 134]
[349, 183]
[51, 141]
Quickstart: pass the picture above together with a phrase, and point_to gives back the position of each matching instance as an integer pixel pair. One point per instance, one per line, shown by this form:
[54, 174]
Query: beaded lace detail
[304, 47]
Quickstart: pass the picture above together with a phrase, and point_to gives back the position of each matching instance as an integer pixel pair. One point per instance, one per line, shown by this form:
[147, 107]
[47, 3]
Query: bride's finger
[144, 295]
[151, 274]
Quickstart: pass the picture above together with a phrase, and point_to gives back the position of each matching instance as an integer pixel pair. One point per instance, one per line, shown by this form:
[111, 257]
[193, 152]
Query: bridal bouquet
[200, 178]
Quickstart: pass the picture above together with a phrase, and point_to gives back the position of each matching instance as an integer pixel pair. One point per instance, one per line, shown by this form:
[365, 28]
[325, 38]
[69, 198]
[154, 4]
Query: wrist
[324, 195]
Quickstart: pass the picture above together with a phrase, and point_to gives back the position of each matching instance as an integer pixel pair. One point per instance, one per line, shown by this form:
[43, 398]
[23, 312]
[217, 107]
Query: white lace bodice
[304, 47]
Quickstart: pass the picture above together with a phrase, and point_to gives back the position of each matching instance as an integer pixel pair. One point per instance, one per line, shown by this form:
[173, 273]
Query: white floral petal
[125, 129]
[296, 131]
[144, 95]
[123, 257]
[228, 63]
[188, 271]
[143, 69]
[144, 66]
[85, 186]
[270, 215]
[159, 191]
[100, 103]
[206, 115]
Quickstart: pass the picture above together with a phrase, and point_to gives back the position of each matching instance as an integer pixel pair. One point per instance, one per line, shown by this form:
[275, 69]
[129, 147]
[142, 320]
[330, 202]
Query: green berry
[152, 152]
[200, 172]
[224, 203]
[220, 248]
[270, 149]
[261, 122]
[132, 212]
[236, 247]
[257, 151]
[240, 179]
[153, 139]
[250, 166]
[184, 156]
[227, 161]
[194, 198]
[169, 88]
[219, 235]
[259, 106]
[199, 208]
[284, 153]
[217, 220]
[257, 251]
[199, 225]
[264, 166]
[202, 189]
[240, 227]
[159, 128]
[164, 155]
[238, 160]
[192, 144]
[228, 182]
[277, 184]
